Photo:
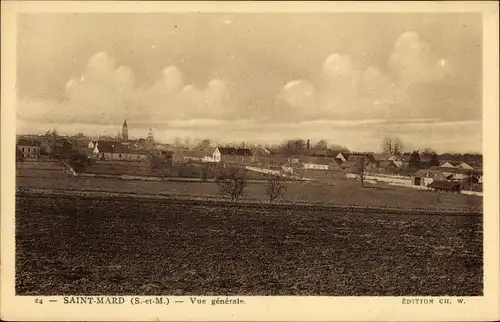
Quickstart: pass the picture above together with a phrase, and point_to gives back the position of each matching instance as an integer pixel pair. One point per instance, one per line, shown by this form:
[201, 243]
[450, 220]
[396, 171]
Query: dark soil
[83, 246]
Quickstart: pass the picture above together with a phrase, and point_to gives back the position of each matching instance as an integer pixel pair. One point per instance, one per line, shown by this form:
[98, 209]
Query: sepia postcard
[250, 161]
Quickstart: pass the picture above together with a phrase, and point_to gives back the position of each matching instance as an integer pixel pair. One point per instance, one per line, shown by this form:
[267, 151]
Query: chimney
[308, 145]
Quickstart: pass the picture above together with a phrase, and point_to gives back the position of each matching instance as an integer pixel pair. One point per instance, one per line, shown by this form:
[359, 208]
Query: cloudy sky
[347, 78]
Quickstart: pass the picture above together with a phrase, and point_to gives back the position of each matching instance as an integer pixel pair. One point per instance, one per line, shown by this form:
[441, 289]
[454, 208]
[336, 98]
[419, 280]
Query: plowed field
[77, 246]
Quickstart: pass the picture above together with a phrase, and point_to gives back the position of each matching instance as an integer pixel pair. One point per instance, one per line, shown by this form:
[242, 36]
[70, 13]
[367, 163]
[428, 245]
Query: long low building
[117, 151]
[233, 155]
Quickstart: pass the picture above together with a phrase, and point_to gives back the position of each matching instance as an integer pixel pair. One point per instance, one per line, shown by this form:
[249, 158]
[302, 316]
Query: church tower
[125, 131]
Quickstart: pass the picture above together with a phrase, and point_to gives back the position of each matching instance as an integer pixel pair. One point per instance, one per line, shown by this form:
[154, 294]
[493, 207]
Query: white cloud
[412, 61]
[107, 94]
[345, 89]
[299, 93]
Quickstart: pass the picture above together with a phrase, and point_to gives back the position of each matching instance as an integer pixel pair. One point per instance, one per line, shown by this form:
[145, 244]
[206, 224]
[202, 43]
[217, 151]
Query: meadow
[338, 192]
[82, 246]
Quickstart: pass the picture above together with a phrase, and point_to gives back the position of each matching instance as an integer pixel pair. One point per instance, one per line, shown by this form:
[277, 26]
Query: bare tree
[361, 164]
[232, 181]
[204, 144]
[392, 145]
[275, 187]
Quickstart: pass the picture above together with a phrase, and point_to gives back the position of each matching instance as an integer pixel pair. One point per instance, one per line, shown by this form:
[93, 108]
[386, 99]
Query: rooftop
[235, 151]
[444, 185]
[29, 142]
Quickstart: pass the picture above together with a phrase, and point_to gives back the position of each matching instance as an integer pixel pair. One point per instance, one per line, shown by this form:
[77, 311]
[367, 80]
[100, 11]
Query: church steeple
[125, 131]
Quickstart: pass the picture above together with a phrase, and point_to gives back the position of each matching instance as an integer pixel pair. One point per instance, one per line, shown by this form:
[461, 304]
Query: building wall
[123, 156]
[315, 166]
[29, 151]
[235, 159]
[427, 181]
[217, 155]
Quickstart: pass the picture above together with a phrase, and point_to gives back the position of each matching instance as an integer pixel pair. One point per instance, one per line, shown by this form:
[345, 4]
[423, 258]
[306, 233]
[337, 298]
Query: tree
[294, 146]
[156, 162]
[339, 148]
[205, 144]
[434, 160]
[429, 151]
[392, 146]
[275, 187]
[231, 181]
[321, 145]
[361, 164]
[414, 161]
[79, 161]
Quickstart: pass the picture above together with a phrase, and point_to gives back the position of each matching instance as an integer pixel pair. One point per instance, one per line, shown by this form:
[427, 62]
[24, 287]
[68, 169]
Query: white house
[315, 166]
[424, 177]
[232, 155]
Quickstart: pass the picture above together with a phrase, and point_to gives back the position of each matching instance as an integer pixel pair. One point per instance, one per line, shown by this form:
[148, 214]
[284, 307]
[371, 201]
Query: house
[396, 158]
[456, 165]
[350, 166]
[388, 167]
[110, 150]
[317, 163]
[292, 168]
[261, 156]
[30, 148]
[167, 156]
[342, 156]
[297, 159]
[195, 155]
[424, 177]
[232, 155]
[381, 156]
[371, 163]
[448, 186]
[278, 156]
[464, 175]
[317, 152]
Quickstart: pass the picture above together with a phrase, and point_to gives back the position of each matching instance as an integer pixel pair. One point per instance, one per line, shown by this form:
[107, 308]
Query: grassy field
[342, 192]
[67, 245]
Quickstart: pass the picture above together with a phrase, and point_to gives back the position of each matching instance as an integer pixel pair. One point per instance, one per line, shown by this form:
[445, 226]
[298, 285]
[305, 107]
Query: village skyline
[196, 142]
